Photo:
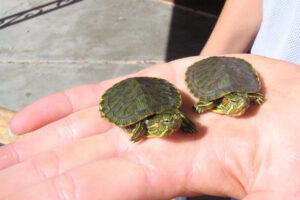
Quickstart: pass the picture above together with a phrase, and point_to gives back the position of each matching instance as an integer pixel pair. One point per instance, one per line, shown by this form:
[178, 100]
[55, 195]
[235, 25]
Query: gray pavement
[88, 41]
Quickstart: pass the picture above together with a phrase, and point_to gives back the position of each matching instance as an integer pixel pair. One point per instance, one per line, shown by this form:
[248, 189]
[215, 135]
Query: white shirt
[279, 34]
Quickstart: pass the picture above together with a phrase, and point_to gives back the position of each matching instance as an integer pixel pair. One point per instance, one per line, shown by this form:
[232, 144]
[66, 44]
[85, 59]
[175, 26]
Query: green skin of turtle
[233, 104]
[160, 125]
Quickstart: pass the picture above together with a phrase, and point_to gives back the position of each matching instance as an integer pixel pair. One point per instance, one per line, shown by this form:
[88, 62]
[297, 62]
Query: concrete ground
[89, 41]
[48, 46]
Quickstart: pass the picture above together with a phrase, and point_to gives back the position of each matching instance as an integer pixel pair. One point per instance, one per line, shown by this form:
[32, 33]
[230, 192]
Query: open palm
[73, 153]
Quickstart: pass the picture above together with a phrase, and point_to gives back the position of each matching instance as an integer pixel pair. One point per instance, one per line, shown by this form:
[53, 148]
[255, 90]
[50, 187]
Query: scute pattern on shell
[214, 77]
[134, 99]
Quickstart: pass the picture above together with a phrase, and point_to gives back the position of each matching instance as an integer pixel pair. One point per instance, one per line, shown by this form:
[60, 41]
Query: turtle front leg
[202, 106]
[187, 125]
[257, 98]
[137, 131]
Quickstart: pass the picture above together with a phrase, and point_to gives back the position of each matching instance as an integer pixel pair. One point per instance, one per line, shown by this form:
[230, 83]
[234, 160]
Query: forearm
[236, 28]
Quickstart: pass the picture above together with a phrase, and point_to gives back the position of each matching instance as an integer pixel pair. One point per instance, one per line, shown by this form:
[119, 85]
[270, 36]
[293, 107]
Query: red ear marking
[226, 101]
[157, 124]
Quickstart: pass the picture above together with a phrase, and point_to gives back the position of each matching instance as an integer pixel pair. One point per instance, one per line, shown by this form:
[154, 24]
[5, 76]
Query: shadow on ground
[187, 36]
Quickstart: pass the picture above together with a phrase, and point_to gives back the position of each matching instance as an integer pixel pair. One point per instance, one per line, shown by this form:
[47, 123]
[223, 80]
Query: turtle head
[163, 124]
[233, 104]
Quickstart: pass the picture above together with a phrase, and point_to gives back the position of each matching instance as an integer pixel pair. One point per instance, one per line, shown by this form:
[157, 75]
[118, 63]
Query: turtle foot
[202, 106]
[257, 98]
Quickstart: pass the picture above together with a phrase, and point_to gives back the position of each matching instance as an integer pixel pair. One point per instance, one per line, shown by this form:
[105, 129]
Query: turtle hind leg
[187, 125]
[137, 131]
[257, 98]
[202, 106]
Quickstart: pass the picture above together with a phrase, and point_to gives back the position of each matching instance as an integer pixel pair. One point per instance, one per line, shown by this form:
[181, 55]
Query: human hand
[73, 153]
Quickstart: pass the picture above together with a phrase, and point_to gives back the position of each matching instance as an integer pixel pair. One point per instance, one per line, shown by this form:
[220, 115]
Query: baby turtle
[145, 107]
[224, 85]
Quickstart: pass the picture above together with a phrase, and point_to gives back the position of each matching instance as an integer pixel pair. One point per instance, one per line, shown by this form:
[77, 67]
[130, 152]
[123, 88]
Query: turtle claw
[259, 101]
[257, 98]
[134, 140]
[137, 131]
[202, 106]
[199, 109]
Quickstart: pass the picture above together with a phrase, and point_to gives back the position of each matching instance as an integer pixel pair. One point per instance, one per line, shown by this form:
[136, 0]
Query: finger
[54, 107]
[81, 124]
[115, 178]
[56, 162]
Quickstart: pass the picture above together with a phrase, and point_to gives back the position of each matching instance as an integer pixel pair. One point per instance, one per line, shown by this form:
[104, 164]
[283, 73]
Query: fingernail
[10, 133]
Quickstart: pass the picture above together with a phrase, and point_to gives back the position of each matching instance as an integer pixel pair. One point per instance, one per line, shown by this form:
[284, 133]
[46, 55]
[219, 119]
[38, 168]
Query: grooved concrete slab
[88, 30]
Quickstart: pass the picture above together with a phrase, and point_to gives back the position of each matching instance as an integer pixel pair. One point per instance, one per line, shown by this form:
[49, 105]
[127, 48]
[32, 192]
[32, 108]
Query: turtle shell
[134, 99]
[214, 77]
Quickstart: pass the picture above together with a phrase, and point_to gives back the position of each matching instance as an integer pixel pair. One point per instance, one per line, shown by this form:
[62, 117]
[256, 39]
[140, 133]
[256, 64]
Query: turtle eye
[166, 120]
